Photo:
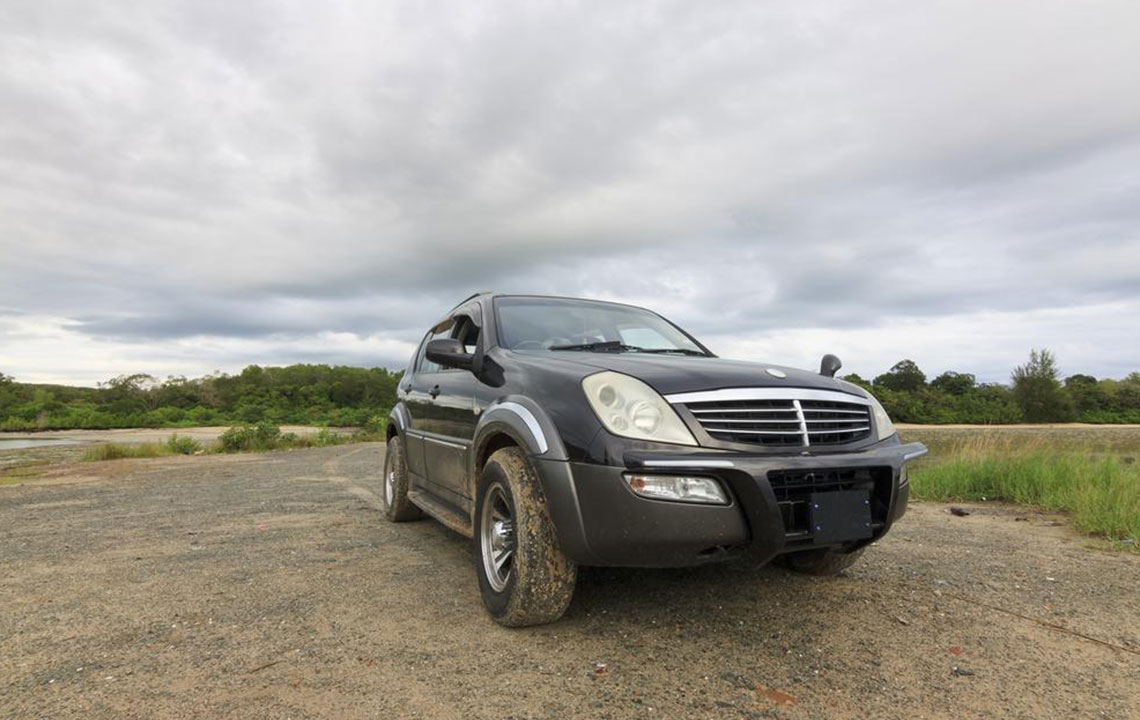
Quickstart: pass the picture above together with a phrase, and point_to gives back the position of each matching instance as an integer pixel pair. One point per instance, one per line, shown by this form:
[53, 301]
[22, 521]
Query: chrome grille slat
[734, 421]
[795, 432]
[780, 417]
[839, 430]
[749, 410]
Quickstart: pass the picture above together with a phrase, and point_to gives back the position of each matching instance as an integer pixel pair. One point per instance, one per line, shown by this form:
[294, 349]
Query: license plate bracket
[840, 516]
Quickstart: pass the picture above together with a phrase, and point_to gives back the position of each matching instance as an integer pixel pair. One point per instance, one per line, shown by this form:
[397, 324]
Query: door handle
[434, 392]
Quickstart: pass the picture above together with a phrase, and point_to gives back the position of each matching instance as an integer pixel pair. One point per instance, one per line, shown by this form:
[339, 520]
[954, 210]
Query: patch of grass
[116, 451]
[1101, 492]
[17, 475]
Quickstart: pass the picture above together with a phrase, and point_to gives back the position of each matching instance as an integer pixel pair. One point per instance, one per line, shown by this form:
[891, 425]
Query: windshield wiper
[607, 346]
[619, 346]
[682, 351]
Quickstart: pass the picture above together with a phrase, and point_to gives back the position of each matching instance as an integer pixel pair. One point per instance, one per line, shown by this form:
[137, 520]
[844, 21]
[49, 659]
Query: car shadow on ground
[606, 589]
[728, 591]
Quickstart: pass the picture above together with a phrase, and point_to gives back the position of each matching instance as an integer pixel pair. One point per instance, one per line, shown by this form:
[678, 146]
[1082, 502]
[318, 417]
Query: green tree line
[342, 396]
[1037, 393]
[302, 394]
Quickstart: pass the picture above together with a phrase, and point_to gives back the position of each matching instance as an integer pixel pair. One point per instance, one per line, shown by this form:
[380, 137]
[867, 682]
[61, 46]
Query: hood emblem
[776, 373]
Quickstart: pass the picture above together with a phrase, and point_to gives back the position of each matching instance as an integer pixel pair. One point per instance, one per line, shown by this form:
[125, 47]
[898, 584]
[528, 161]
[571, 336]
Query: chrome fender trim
[528, 418]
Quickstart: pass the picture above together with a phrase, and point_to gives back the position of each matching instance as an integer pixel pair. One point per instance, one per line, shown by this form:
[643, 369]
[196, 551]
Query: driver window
[427, 366]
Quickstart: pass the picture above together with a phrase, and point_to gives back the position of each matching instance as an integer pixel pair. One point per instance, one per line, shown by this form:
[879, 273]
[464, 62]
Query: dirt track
[268, 586]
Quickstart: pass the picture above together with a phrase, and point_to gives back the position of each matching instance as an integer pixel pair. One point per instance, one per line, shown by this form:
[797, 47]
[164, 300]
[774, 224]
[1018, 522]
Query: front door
[449, 430]
[450, 420]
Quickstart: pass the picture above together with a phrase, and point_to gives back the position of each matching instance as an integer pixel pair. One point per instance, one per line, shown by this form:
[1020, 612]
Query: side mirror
[449, 353]
[827, 367]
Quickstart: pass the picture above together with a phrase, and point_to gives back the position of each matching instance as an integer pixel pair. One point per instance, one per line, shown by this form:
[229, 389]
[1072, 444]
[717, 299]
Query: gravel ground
[269, 586]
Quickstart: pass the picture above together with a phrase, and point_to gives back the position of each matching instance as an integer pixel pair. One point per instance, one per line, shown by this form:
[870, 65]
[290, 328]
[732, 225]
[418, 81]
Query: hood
[669, 374]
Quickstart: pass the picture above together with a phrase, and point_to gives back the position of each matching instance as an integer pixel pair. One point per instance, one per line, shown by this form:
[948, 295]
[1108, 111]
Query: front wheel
[821, 562]
[523, 576]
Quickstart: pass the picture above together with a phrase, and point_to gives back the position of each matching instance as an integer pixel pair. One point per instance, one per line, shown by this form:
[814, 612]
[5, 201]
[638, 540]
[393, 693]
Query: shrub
[262, 436]
[183, 445]
[375, 425]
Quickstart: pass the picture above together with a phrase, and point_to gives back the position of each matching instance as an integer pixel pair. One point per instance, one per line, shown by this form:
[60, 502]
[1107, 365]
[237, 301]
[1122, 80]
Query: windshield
[527, 323]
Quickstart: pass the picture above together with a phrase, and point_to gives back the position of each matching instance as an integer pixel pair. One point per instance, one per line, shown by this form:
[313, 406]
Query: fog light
[678, 488]
[903, 477]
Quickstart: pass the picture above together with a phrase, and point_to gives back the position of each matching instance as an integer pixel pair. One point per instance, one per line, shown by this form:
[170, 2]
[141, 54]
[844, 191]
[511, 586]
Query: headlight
[884, 428]
[630, 408]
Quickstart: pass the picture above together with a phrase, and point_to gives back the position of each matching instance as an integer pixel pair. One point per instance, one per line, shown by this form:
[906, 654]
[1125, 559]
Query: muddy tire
[523, 576]
[394, 485]
[821, 562]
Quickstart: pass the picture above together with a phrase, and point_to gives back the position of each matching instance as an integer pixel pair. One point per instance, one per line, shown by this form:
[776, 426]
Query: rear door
[417, 400]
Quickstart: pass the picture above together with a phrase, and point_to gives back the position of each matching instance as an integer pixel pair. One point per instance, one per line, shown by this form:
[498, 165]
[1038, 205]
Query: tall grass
[1101, 492]
[116, 451]
[174, 445]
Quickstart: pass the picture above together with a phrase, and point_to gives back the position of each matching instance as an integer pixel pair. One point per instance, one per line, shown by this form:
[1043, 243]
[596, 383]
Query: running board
[441, 511]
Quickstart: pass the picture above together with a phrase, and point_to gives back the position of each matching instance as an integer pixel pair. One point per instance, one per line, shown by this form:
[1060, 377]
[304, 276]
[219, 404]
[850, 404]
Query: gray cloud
[271, 182]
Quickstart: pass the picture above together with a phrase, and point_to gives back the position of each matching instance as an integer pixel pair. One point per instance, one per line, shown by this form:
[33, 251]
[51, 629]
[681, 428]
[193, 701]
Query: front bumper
[600, 521]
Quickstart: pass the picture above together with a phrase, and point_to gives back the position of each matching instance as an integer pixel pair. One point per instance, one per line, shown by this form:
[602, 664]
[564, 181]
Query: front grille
[790, 422]
[793, 489]
[761, 422]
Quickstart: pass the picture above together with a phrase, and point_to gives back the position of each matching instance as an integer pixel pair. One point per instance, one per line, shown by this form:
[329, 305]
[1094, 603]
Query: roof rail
[472, 297]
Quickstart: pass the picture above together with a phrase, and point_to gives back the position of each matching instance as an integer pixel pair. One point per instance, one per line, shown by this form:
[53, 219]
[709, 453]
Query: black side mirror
[827, 367]
[449, 353]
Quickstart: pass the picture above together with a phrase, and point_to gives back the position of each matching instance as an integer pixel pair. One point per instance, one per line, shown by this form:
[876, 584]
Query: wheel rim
[389, 481]
[497, 537]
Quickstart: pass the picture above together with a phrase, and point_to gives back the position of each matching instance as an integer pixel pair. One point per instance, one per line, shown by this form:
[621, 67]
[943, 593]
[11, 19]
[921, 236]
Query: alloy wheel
[497, 537]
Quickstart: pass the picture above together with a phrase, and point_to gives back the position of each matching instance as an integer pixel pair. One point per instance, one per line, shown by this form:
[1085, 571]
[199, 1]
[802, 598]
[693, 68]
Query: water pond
[21, 443]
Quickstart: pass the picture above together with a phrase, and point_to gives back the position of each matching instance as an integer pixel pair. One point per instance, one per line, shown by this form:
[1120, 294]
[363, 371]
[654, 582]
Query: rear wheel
[523, 576]
[821, 562]
[394, 494]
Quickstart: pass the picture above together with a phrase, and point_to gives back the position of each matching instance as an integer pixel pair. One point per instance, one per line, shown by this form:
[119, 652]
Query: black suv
[559, 432]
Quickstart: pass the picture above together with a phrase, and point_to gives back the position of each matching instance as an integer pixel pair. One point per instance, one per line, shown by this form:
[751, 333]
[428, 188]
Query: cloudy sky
[189, 187]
